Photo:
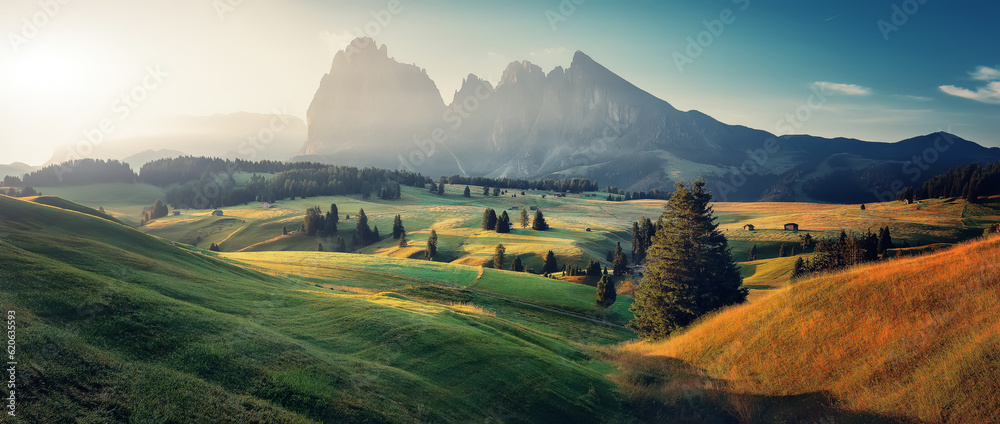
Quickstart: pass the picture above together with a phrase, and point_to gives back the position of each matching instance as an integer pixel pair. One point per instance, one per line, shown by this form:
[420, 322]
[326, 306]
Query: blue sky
[936, 71]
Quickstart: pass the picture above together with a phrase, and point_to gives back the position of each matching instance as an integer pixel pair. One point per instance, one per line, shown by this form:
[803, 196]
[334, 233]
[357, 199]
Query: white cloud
[989, 94]
[913, 98]
[846, 89]
[984, 73]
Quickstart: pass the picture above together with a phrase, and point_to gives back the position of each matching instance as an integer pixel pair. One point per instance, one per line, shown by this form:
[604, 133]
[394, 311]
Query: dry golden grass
[916, 337]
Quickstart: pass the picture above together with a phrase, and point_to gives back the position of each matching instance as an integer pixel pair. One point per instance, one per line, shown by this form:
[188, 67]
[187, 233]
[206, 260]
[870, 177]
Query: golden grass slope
[917, 338]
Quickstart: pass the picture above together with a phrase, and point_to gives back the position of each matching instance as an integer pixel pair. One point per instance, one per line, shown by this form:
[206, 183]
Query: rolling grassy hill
[116, 325]
[910, 339]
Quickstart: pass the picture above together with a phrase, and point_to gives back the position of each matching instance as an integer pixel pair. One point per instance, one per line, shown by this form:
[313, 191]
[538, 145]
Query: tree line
[572, 185]
[969, 182]
[75, 172]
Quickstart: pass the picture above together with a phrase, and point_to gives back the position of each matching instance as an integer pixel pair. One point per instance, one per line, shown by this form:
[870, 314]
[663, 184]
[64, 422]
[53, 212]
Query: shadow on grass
[661, 389]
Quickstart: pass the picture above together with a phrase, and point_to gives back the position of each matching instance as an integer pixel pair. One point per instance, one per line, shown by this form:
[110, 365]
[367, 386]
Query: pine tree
[397, 227]
[503, 223]
[524, 217]
[159, 208]
[214, 247]
[432, 245]
[753, 254]
[862, 206]
[791, 250]
[467, 192]
[516, 265]
[341, 245]
[319, 248]
[284, 230]
[620, 264]
[539, 224]
[375, 235]
[884, 240]
[486, 191]
[781, 251]
[610, 256]
[606, 293]
[330, 224]
[499, 256]
[402, 239]
[313, 221]
[441, 187]
[550, 265]
[335, 214]
[799, 269]
[362, 232]
[690, 270]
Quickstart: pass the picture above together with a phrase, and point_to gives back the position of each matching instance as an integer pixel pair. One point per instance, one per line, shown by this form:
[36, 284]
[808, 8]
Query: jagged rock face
[368, 103]
[582, 121]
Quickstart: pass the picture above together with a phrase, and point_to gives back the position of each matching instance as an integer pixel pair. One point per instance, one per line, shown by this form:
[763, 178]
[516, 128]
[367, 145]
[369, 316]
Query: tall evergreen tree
[486, 191]
[432, 245]
[781, 251]
[593, 268]
[884, 240]
[499, 256]
[362, 232]
[397, 227]
[319, 248]
[336, 215]
[539, 224]
[284, 230]
[313, 220]
[402, 239]
[690, 270]
[800, 268]
[524, 217]
[341, 245]
[330, 223]
[503, 223]
[467, 192]
[516, 265]
[620, 264]
[606, 293]
[753, 254]
[550, 265]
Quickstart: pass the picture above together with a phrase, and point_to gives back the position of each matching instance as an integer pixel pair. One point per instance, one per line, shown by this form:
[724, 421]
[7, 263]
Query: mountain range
[586, 121]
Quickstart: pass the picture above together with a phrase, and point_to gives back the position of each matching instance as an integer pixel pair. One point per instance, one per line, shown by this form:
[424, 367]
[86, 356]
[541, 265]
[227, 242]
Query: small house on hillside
[748, 227]
[217, 212]
[791, 227]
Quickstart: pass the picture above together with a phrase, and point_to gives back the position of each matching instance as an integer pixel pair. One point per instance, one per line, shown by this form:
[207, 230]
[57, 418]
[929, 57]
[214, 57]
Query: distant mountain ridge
[585, 121]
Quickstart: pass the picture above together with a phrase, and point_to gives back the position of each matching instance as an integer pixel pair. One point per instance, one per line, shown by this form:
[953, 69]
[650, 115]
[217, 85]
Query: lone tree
[397, 227]
[284, 230]
[489, 219]
[753, 254]
[402, 239]
[159, 208]
[524, 217]
[550, 263]
[467, 192]
[539, 224]
[516, 265]
[319, 247]
[313, 221]
[499, 256]
[690, 269]
[620, 263]
[362, 232]
[432, 245]
[606, 294]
